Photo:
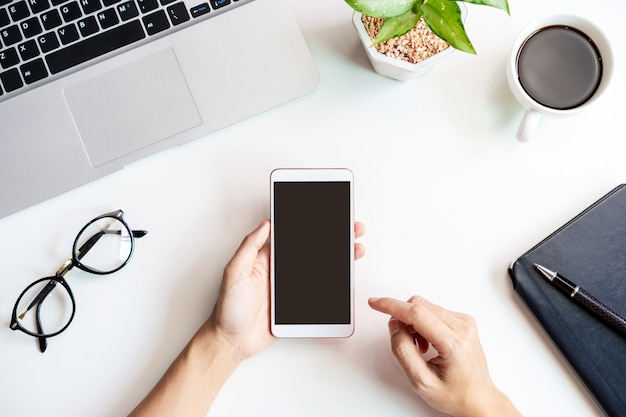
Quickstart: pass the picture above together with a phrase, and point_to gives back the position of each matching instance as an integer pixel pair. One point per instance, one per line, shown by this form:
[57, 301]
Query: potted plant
[404, 38]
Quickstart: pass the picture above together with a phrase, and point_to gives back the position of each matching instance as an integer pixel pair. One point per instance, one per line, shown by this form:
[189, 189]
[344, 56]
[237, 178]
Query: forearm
[194, 379]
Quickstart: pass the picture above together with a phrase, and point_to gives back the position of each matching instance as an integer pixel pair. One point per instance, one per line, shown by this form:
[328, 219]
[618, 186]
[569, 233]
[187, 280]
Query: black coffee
[559, 67]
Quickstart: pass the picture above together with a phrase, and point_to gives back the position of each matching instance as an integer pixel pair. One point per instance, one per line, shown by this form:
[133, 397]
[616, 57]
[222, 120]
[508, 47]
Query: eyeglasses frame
[58, 278]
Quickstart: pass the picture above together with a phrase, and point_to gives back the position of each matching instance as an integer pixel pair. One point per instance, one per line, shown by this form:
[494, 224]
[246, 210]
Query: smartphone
[312, 253]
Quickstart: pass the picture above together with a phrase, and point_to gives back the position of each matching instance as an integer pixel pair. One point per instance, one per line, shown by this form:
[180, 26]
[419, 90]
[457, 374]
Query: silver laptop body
[70, 129]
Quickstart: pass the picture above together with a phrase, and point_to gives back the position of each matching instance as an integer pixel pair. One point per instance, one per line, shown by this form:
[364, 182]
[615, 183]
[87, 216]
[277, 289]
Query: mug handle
[528, 126]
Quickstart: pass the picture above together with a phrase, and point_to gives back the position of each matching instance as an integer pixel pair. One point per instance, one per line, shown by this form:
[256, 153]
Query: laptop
[89, 86]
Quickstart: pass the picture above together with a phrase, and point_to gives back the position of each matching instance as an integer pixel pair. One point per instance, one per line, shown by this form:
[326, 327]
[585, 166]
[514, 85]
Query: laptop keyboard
[43, 39]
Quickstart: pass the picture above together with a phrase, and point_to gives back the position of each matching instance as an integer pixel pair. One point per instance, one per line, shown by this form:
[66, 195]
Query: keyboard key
[166, 2]
[48, 41]
[8, 58]
[19, 11]
[219, 3]
[58, 2]
[34, 71]
[68, 34]
[147, 5]
[31, 27]
[51, 19]
[200, 9]
[108, 18]
[4, 18]
[178, 13]
[90, 6]
[155, 22]
[11, 80]
[38, 6]
[10, 35]
[70, 11]
[108, 3]
[88, 26]
[95, 46]
[28, 50]
[127, 10]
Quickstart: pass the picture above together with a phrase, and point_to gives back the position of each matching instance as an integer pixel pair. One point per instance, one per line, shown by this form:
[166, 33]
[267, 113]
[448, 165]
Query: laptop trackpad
[131, 107]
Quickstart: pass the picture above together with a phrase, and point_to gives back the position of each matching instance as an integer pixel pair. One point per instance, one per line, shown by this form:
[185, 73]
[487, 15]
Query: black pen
[585, 299]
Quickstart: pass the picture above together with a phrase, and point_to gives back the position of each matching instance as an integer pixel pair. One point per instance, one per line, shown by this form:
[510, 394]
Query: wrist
[495, 405]
[211, 340]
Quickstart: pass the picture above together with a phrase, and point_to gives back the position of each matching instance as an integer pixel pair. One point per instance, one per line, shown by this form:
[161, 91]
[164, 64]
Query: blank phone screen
[312, 256]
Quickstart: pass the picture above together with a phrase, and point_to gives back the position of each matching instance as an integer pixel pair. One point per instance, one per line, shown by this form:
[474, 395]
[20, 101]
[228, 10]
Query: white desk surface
[448, 196]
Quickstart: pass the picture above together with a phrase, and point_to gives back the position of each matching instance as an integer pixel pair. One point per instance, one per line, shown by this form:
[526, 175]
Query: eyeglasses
[103, 246]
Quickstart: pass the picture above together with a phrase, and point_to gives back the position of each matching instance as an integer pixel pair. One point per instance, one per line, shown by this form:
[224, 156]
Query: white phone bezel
[311, 330]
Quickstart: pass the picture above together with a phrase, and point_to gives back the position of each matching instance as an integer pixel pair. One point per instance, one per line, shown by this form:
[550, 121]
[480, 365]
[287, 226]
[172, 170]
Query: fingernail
[373, 299]
[394, 326]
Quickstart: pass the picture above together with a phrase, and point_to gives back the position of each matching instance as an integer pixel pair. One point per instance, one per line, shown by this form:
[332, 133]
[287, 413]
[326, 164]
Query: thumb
[252, 244]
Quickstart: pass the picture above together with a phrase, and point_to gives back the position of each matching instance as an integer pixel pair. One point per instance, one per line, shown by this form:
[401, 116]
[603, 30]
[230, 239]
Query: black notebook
[590, 250]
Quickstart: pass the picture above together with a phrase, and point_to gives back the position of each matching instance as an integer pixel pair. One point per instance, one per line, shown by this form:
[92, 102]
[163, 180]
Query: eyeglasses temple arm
[43, 342]
[89, 244]
[94, 239]
[40, 297]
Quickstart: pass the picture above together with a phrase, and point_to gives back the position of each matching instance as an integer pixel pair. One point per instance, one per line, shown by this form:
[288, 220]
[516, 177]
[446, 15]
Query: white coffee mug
[535, 109]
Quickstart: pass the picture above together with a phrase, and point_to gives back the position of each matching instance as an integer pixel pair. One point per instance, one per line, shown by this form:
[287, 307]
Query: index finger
[428, 319]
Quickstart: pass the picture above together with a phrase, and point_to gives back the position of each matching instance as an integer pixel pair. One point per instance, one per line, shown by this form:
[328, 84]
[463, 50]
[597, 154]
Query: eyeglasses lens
[51, 302]
[104, 245]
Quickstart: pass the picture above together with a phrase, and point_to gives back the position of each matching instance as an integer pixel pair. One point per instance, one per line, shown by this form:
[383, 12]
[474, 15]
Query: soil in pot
[414, 46]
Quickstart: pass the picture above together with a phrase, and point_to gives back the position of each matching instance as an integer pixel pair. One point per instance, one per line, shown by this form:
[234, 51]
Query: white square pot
[392, 67]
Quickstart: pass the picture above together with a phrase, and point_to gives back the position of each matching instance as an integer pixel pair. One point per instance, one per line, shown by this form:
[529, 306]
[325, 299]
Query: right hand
[457, 381]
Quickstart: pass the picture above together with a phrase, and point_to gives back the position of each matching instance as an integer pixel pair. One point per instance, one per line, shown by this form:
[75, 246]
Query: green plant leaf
[382, 8]
[397, 26]
[498, 4]
[444, 18]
